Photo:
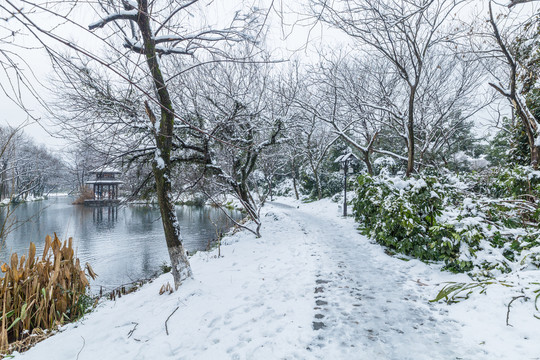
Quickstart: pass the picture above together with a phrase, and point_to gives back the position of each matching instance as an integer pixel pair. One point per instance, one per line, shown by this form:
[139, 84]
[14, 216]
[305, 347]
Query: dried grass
[36, 295]
[85, 194]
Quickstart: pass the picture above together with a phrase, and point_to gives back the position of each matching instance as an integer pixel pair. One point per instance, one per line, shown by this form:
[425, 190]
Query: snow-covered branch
[121, 15]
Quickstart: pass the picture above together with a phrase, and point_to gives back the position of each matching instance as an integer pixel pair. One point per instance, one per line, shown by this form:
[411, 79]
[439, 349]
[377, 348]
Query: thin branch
[166, 328]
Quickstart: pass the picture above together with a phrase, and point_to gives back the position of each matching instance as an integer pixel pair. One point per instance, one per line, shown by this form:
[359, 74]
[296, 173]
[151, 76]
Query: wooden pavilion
[105, 187]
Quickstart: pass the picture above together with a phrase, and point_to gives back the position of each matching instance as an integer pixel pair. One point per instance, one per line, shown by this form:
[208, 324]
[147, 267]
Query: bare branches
[516, 2]
[173, 13]
[504, 49]
[511, 92]
[406, 34]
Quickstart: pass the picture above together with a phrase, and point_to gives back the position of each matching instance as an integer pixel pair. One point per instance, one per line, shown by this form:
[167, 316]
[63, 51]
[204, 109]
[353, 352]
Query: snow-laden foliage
[451, 219]
[507, 182]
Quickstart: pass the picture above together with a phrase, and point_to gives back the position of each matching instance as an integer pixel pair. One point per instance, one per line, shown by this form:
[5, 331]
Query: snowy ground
[310, 288]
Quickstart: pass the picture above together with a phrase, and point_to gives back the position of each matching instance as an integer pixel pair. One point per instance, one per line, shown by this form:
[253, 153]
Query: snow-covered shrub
[403, 215]
[516, 182]
[284, 188]
[440, 219]
[385, 165]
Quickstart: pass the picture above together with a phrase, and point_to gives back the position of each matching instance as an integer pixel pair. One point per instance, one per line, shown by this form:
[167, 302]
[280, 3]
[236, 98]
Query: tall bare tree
[511, 88]
[124, 67]
[403, 32]
[241, 117]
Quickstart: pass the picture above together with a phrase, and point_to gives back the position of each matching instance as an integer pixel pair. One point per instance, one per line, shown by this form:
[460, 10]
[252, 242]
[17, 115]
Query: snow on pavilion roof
[105, 181]
[105, 169]
[346, 157]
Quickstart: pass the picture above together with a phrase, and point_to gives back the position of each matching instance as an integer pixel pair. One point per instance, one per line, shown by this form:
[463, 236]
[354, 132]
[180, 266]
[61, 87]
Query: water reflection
[111, 215]
[122, 244]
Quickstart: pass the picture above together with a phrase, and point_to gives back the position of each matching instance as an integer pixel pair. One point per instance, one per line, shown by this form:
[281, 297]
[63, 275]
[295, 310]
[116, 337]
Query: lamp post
[346, 161]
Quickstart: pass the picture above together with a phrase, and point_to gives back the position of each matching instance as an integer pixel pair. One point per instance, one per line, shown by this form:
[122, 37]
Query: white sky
[294, 42]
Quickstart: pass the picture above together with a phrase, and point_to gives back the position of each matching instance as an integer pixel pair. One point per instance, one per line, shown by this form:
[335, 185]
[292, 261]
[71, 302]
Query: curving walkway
[371, 306]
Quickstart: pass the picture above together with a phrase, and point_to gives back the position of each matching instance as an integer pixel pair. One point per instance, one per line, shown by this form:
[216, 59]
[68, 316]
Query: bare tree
[511, 88]
[234, 105]
[403, 32]
[150, 43]
[130, 75]
[342, 95]
[310, 135]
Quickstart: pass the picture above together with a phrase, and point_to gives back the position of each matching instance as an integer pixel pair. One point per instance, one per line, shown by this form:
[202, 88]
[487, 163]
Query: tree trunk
[295, 187]
[180, 267]
[162, 164]
[368, 162]
[318, 184]
[317, 180]
[529, 130]
[520, 108]
[248, 204]
[270, 189]
[3, 187]
[410, 133]
[532, 146]
[243, 193]
[534, 157]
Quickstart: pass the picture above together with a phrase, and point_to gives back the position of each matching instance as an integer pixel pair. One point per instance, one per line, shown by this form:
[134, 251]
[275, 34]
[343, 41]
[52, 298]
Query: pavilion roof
[105, 182]
[105, 169]
[346, 157]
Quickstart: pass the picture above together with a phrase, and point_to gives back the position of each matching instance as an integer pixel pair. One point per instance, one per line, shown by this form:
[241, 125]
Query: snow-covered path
[310, 288]
[367, 305]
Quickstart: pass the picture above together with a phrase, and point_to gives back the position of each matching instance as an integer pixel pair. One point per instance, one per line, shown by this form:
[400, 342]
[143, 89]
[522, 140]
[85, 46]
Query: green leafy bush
[441, 219]
[331, 184]
[507, 182]
[402, 215]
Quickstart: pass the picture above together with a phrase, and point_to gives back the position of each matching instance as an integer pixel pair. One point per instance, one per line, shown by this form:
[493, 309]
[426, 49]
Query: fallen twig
[509, 304]
[166, 329]
[84, 343]
[132, 330]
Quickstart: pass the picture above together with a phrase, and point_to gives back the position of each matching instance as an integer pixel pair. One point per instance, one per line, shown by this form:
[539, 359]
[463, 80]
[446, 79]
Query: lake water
[121, 244]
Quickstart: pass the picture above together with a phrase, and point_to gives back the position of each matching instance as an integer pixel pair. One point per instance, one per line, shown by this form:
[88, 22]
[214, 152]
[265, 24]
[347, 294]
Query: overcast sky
[296, 37]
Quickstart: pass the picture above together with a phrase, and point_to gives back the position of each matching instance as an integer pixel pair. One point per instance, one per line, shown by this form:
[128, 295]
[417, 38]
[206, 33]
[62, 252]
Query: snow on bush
[483, 224]
[385, 165]
[450, 219]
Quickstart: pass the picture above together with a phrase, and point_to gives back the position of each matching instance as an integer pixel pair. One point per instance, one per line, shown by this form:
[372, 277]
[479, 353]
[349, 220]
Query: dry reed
[85, 194]
[37, 295]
